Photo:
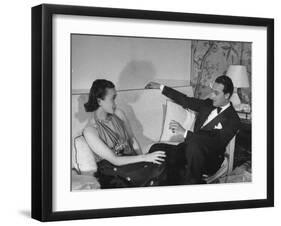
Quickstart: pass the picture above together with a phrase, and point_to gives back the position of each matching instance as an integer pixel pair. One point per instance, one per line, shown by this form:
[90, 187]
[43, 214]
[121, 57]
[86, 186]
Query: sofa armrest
[84, 182]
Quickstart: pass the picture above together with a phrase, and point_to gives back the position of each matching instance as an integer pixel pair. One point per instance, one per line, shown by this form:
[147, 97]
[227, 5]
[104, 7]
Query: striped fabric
[114, 134]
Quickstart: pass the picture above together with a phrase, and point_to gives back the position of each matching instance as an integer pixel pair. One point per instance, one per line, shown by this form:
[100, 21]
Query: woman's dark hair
[227, 84]
[97, 91]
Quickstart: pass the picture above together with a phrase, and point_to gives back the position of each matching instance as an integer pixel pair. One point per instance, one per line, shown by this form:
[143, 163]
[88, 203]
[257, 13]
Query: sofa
[149, 113]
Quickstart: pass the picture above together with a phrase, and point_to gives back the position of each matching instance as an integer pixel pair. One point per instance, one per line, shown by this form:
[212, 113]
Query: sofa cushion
[84, 182]
[84, 158]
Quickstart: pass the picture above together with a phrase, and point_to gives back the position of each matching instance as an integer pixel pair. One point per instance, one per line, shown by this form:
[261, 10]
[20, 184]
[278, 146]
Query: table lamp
[239, 77]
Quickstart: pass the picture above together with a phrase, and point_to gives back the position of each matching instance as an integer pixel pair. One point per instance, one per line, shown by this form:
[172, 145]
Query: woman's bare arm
[97, 146]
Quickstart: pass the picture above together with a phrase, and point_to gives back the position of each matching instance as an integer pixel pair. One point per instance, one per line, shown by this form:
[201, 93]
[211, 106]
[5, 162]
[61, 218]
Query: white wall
[16, 121]
[129, 62]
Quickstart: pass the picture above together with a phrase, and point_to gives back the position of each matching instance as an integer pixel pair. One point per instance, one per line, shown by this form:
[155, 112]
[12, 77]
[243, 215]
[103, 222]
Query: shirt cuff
[185, 134]
[162, 87]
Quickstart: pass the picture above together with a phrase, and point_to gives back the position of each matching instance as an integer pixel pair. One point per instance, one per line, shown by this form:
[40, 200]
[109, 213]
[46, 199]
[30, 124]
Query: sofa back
[143, 108]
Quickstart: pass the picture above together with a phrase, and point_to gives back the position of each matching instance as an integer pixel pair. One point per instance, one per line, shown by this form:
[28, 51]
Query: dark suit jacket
[214, 140]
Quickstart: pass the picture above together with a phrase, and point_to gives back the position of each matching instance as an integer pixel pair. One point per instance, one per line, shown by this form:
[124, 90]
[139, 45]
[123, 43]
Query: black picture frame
[42, 107]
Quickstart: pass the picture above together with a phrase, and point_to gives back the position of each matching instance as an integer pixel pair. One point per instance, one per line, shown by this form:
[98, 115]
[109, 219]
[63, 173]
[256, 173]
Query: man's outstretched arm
[180, 98]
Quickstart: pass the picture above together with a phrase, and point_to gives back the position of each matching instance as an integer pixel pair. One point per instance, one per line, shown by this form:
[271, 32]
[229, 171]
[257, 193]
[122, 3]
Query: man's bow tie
[219, 109]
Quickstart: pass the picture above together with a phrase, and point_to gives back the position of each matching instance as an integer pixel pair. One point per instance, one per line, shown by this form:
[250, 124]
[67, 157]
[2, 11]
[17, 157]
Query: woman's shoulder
[91, 128]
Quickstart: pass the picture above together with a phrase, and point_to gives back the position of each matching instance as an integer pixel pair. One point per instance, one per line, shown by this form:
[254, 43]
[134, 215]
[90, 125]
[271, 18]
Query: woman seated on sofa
[120, 160]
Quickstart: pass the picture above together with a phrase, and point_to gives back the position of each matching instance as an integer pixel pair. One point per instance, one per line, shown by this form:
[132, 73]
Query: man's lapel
[215, 121]
[218, 119]
[202, 118]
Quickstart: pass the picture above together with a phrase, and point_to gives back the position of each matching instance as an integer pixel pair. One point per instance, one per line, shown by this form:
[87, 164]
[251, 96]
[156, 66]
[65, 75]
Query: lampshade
[238, 75]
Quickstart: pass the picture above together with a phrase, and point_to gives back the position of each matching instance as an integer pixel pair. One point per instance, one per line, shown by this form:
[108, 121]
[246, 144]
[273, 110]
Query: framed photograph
[145, 112]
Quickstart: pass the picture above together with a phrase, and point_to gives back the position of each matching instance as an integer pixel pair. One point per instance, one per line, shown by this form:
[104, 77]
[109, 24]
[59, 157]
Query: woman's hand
[156, 157]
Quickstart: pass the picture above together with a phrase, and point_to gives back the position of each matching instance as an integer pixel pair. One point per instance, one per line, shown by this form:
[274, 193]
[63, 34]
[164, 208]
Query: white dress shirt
[214, 113]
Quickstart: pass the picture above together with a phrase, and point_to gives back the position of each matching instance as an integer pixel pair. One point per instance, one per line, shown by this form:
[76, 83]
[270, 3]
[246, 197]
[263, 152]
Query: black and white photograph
[140, 112]
[149, 111]
[146, 112]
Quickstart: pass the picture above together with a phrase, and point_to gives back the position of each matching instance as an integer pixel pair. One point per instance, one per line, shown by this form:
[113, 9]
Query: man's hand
[176, 127]
[152, 85]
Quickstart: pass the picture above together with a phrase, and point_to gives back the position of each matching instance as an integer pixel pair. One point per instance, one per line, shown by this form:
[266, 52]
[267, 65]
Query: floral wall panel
[211, 59]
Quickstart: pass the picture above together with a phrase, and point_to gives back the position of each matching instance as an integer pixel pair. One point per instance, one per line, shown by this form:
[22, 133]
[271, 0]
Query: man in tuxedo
[216, 124]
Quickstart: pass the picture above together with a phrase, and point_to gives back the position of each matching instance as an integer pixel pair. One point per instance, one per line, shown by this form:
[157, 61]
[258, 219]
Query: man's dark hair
[97, 91]
[227, 84]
